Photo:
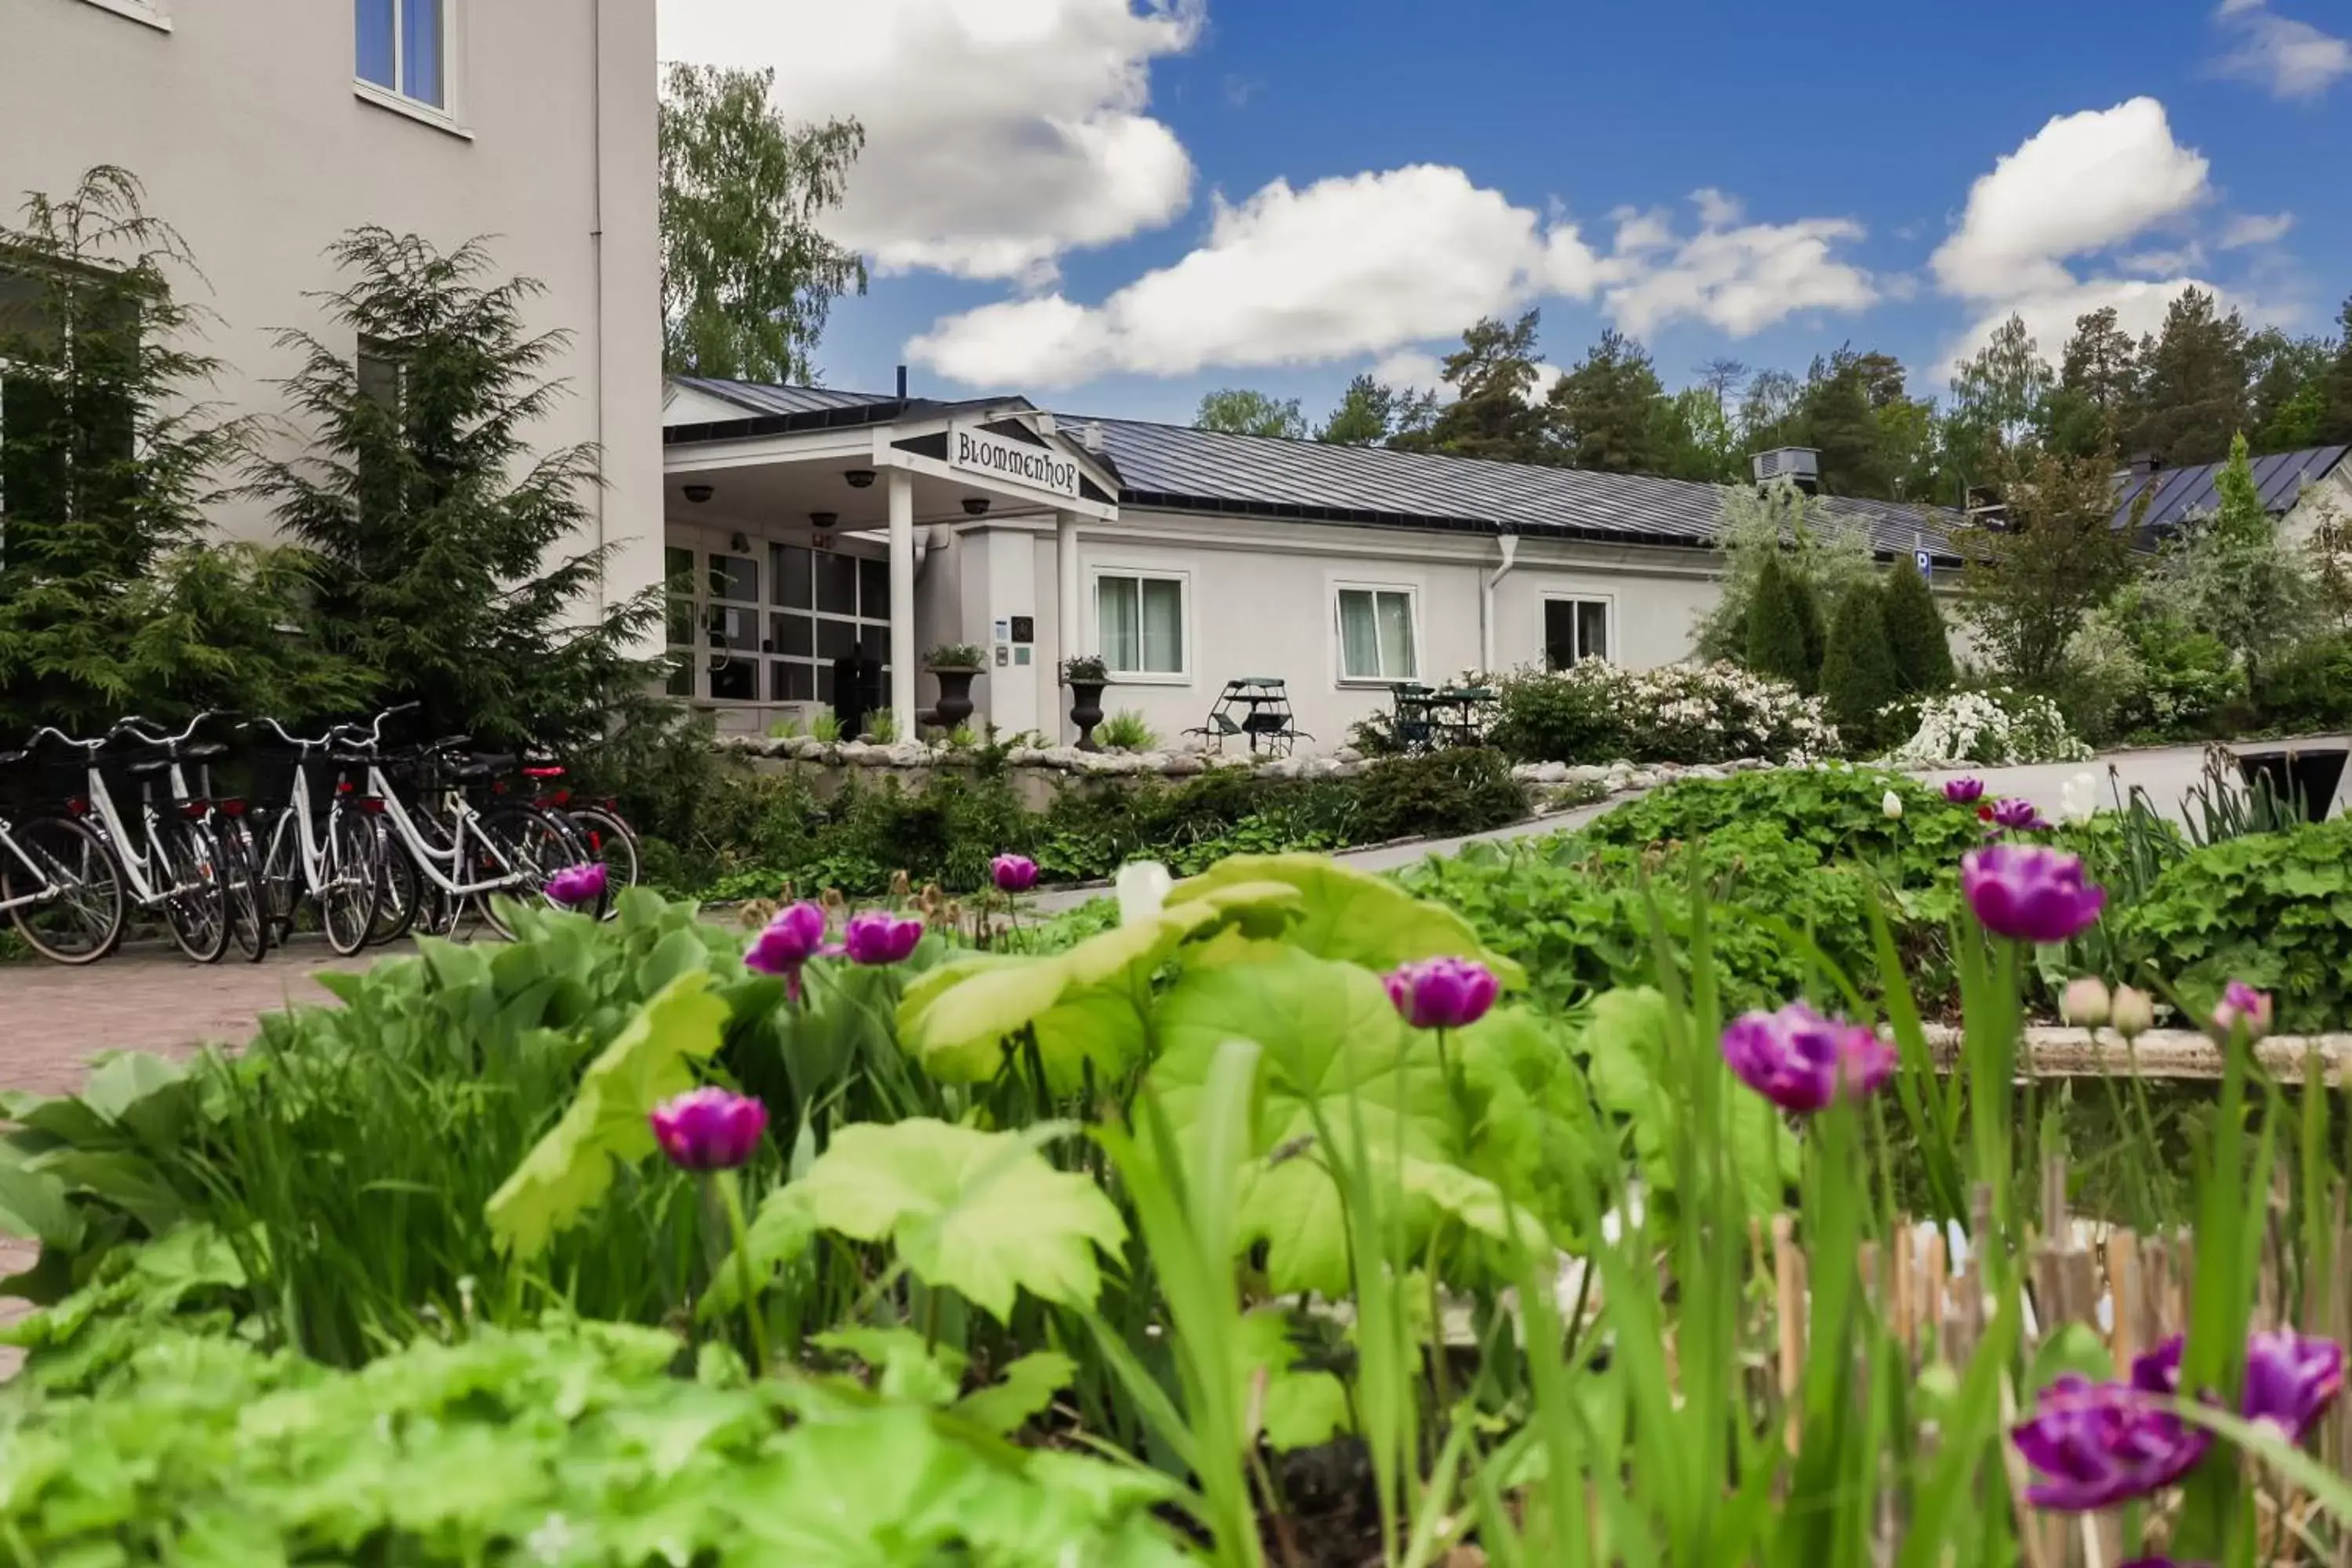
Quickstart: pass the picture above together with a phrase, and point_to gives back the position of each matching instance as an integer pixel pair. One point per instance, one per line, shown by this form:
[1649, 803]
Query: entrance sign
[985, 452]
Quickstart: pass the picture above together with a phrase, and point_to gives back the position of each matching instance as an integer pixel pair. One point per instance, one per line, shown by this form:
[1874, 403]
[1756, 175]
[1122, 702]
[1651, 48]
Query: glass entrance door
[766, 624]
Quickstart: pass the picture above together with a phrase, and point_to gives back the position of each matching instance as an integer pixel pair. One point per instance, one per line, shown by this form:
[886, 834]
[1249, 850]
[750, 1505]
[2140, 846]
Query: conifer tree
[1777, 643]
[453, 551]
[1858, 668]
[1915, 637]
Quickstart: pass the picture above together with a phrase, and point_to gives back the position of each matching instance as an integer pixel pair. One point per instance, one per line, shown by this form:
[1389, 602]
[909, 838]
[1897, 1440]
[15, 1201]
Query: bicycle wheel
[197, 908]
[529, 843]
[241, 888]
[281, 870]
[82, 921]
[398, 891]
[610, 840]
[351, 880]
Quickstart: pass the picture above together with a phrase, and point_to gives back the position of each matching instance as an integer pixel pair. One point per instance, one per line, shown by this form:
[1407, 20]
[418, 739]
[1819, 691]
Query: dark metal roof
[754, 398]
[1179, 468]
[2175, 495]
[1175, 465]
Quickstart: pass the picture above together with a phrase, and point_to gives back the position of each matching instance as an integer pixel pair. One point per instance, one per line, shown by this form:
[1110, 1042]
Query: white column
[1069, 634]
[905, 656]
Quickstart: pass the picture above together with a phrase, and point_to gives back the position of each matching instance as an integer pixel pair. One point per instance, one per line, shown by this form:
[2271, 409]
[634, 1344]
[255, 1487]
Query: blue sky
[1116, 205]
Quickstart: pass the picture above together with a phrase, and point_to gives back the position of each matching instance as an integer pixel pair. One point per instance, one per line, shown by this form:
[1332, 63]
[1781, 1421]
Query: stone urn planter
[1086, 677]
[955, 667]
[2306, 773]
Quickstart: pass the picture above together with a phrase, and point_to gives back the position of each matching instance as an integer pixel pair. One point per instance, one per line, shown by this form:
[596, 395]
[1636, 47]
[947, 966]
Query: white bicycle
[59, 885]
[173, 866]
[337, 864]
[460, 852]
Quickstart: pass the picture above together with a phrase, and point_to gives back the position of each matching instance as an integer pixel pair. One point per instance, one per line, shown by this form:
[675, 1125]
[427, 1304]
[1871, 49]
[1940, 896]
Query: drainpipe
[1510, 546]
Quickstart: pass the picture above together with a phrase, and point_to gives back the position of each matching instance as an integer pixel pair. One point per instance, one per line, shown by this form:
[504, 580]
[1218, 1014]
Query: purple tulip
[2016, 814]
[1802, 1062]
[2241, 1004]
[2027, 893]
[1013, 873]
[2100, 1444]
[708, 1128]
[877, 937]
[1442, 993]
[577, 885]
[791, 939]
[1964, 791]
[2291, 1380]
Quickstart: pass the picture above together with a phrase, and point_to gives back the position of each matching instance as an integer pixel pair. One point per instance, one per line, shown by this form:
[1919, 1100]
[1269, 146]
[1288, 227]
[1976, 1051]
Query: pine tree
[1608, 407]
[441, 533]
[2333, 423]
[1776, 629]
[1858, 667]
[1922, 649]
[113, 599]
[2195, 383]
[1492, 374]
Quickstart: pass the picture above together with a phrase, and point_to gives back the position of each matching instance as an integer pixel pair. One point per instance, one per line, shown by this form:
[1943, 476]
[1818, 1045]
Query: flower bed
[1989, 729]
[1598, 711]
[1195, 1239]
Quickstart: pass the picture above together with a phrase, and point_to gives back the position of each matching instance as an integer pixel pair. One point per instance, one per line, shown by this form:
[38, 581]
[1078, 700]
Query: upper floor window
[401, 47]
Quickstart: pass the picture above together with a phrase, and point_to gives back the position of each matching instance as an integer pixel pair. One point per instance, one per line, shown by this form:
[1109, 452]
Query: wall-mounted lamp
[741, 544]
[698, 494]
[975, 506]
[823, 519]
[860, 479]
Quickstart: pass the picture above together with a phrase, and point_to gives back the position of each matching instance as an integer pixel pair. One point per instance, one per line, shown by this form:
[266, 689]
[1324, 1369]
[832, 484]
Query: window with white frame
[403, 47]
[1139, 622]
[775, 623]
[1377, 633]
[1574, 629]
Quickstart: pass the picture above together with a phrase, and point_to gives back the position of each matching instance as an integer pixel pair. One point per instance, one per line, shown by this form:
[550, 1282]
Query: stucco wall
[243, 124]
[2332, 494]
[1260, 600]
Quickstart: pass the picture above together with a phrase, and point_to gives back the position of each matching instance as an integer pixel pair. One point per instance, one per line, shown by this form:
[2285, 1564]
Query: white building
[262, 130]
[809, 522]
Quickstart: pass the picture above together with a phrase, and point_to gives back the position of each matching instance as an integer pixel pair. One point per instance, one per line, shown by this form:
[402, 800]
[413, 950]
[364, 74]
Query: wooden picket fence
[2132, 1290]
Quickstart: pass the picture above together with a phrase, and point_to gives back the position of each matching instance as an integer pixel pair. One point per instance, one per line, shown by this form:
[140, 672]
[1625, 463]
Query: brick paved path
[54, 1019]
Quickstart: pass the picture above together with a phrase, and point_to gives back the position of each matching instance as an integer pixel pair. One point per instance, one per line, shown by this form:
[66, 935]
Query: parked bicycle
[59, 886]
[605, 833]
[238, 863]
[171, 866]
[460, 852]
[335, 863]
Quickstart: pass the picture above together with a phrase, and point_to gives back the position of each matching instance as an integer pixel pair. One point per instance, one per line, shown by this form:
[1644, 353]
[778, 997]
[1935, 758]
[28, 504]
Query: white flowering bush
[1596, 712]
[1993, 728]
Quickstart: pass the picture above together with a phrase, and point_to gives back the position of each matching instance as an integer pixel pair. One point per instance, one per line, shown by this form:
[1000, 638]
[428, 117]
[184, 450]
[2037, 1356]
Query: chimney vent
[2143, 463]
[902, 384]
[1802, 464]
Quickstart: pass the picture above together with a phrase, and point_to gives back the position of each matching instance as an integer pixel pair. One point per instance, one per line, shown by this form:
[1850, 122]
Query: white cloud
[2292, 59]
[2163, 263]
[1372, 262]
[1000, 134]
[1413, 369]
[1343, 267]
[2255, 228]
[2081, 183]
[1739, 279]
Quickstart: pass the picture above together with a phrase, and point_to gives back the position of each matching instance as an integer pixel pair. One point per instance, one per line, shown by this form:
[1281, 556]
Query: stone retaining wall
[1037, 773]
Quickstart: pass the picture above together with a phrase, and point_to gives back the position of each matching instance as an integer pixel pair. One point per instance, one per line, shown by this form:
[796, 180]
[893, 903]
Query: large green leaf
[1084, 1002]
[571, 1167]
[1352, 915]
[1334, 1048]
[1296, 1407]
[978, 1213]
[1624, 1045]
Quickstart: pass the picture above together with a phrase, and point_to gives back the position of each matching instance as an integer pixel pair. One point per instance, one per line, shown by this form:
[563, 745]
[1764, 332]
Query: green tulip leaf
[1022, 1394]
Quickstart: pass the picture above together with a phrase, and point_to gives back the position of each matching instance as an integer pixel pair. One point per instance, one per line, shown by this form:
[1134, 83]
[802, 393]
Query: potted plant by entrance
[955, 666]
[1085, 676]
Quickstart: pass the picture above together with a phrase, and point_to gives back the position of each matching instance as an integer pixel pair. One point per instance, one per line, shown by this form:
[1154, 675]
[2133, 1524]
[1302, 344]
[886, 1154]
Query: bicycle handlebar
[50, 732]
[147, 730]
[291, 739]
